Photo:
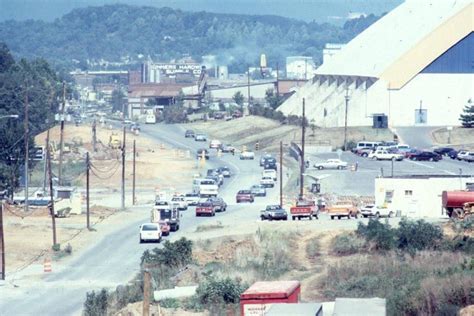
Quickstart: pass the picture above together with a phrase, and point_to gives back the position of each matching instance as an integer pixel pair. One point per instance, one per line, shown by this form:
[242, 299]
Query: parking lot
[361, 182]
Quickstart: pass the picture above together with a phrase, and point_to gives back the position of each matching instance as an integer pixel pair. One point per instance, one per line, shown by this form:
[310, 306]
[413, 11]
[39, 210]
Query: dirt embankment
[458, 137]
[28, 236]
[252, 129]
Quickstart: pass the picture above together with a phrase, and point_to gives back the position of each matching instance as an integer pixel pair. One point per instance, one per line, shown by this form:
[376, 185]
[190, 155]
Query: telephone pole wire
[123, 170]
[61, 137]
[88, 166]
[134, 163]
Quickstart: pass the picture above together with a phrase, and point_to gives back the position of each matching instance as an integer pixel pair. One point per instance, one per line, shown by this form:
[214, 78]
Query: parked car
[219, 115]
[453, 154]
[219, 204]
[237, 114]
[215, 144]
[219, 179]
[135, 127]
[192, 198]
[364, 152]
[225, 171]
[425, 156]
[469, 157]
[150, 232]
[270, 165]
[200, 138]
[189, 134]
[385, 155]
[304, 208]
[244, 196]
[227, 148]
[343, 209]
[270, 173]
[273, 212]
[331, 164]
[377, 211]
[250, 155]
[462, 154]
[202, 151]
[258, 190]
[443, 151]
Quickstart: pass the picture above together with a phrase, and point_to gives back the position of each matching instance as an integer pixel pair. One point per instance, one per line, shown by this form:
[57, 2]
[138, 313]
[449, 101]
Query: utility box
[258, 298]
[380, 121]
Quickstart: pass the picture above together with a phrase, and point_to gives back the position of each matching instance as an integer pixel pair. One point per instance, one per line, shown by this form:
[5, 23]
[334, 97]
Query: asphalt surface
[416, 136]
[115, 259]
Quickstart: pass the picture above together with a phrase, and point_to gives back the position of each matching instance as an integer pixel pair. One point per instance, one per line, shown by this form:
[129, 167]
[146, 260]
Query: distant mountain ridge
[113, 32]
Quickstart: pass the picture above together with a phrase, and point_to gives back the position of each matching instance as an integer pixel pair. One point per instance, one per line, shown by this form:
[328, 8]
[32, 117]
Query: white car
[462, 154]
[270, 173]
[377, 211]
[331, 164]
[150, 232]
[180, 202]
[215, 144]
[267, 182]
[200, 138]
[247, 155]
[192, 198]
[385, 155]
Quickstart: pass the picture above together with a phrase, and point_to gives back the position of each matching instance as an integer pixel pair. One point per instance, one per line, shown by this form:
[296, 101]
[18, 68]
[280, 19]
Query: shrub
[96, 303]
[381, 235]
[170, 303]
[173, 254]
[419, 235]
[347, 244]
[313, 247]
[213, 291]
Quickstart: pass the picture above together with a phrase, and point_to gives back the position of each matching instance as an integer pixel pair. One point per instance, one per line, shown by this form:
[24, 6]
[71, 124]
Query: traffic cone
[47, 265]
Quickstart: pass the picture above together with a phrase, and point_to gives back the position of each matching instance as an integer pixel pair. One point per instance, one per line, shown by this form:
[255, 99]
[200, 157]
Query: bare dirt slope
[250, 129]
[460, 137]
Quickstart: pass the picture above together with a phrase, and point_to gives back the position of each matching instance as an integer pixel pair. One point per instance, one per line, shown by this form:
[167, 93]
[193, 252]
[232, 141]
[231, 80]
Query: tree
[273, 100]
[467, 118]
[118, 101]
[238, 98]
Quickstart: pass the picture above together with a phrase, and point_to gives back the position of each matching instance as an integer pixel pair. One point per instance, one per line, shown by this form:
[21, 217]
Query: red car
[244, 196]
[205, 208]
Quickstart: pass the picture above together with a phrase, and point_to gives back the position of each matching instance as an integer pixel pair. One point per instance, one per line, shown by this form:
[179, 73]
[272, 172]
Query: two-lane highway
[115, 258]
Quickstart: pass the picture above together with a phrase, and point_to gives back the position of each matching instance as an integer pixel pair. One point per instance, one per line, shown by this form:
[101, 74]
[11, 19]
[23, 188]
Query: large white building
[415, 66]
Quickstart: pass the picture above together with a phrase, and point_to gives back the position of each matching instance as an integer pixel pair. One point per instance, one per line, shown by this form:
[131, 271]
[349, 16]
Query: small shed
[298, 309]
[258, 298]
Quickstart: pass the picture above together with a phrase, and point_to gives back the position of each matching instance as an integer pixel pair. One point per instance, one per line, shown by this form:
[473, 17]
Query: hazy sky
[335, 11]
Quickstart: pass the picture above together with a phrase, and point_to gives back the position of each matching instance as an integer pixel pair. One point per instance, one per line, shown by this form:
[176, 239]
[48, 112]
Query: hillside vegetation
[112, 32]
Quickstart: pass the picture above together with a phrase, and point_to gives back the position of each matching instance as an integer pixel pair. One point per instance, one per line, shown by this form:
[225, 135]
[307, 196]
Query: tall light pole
[26, 149]
[302, 162]
[347, 98]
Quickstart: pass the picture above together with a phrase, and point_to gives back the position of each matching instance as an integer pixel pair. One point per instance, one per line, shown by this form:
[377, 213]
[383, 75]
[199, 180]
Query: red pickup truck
[304, 208]
[205, 208]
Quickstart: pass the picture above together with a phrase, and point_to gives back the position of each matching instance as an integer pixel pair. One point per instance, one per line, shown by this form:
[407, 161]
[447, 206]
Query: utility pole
[27, 152]
[146, 292]
[302, 166]
[45, 180]
[134, 162]
[281, 174]
[61, 136]
[87, 190]
[278, 85]
[2, 241]
[123, 170]
[347, 98]
[51, 202]
[94, 135]
[248, 88]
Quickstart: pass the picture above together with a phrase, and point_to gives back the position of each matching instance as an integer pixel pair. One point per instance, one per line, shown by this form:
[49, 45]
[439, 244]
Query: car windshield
[149, 227]
[244, 192]
[205, 204]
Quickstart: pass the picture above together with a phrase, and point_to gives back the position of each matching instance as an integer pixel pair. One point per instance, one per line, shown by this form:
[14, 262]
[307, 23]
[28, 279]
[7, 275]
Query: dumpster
[259, 297]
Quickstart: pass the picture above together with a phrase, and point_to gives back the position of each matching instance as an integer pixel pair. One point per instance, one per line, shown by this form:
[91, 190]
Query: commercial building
[300, 67]
[412, 67]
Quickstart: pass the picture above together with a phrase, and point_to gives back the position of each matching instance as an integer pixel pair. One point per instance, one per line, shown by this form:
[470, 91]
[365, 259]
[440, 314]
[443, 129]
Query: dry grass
[460, 137]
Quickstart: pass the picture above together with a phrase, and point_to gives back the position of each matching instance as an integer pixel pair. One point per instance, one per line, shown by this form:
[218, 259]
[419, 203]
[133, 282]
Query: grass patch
[347, 244]
[313, 248]
[208, 227]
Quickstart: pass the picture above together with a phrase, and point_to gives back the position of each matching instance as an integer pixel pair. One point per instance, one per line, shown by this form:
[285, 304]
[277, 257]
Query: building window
[408, 192]
[388, 196]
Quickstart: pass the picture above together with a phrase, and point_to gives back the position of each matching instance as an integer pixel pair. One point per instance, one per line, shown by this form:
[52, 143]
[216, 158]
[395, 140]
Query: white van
[205, 187]
[372, 145]
[270, 173]
[150, 119]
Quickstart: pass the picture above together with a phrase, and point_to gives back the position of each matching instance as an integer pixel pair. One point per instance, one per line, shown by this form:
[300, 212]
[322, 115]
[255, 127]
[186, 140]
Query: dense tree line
[20, 82]
[115, 31]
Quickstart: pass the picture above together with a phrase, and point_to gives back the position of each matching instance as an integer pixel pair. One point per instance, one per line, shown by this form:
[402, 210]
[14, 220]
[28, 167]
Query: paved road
[115, 259]
[417, 136]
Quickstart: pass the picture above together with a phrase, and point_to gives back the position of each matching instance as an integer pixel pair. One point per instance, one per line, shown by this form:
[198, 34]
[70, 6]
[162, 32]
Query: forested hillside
[113, 32]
